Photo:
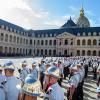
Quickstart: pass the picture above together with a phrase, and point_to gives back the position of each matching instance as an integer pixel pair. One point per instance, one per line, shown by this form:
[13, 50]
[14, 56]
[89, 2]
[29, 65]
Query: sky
[47, 14]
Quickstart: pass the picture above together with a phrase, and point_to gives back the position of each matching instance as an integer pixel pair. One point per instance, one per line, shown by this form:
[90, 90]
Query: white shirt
[56, 92]
[24, 73]
[11, 89]
[2, 93]
[34, 73]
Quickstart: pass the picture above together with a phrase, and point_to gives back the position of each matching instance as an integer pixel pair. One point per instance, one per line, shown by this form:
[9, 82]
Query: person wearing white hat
[11, 89]
[42, 69]
[54, 91]
[2, 82]
[73, 83]
[24, 71]
[34, 71]
[31, 89]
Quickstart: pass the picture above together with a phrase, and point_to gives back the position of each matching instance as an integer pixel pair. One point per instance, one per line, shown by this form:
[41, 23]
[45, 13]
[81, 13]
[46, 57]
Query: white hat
[9, 65]
[53, 71]
[98, 89]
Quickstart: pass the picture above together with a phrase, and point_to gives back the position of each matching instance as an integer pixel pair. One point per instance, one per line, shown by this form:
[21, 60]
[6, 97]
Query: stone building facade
[71, 39]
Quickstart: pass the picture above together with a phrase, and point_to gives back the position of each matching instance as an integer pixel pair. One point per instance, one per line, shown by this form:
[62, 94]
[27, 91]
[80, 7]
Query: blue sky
[47, 14]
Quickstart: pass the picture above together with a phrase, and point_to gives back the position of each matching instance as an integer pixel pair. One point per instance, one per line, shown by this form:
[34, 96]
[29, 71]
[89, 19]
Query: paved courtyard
[89, 85]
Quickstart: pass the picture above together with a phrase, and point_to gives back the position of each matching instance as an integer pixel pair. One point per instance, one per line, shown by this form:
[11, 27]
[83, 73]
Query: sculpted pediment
[66, 34]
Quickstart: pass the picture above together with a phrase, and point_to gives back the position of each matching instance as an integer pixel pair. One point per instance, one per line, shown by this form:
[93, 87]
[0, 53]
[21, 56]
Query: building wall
[38, 46]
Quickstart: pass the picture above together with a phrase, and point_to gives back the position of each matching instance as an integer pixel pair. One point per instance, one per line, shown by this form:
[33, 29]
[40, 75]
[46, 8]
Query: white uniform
[55, 92]
[11, 89]
[2, 93]
[34, 74]
[24, 73]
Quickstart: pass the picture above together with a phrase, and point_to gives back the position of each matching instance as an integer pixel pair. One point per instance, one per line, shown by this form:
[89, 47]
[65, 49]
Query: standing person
[2, 82]
[24, 72]
[46, 78]
[60, 66]
[98, 76]
[54, 91]
[34, 71]
[73, 83]
[31, 89]
[11, 86]
[42, 70]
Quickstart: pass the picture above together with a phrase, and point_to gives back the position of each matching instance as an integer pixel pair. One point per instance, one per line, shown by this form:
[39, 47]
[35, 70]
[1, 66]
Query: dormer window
[50, 35]
[38, 35]
[7, 28]
[42, 35]
[11, 29]
[78, 34]
[15, 30]
[54, 34]
[89, 34]
[83, 33]
[46, 35]
[94, 34]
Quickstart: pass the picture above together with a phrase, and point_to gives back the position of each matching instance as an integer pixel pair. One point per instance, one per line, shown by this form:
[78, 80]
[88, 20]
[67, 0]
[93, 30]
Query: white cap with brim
[53, 71]
[9, 65]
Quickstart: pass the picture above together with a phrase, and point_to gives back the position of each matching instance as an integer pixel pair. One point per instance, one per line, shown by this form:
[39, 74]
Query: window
[94, 33]
[41, 52]
[83, 52]
[45, 51]
[83, 42]
[54, 52]
[78, 42]
[46, 35]
[54, 42]
[42, 42]
[38, 42]
[10, 38]
[46, 42]
[88, 53]
[78, 52]
[94, 53]
[50, 35]
[89, 42]
[78, 34]
[49, 52]
[71, 42]
[83, 33]
[50, 42]
[14, 39]
[6, 37]
[66, 42]
[17, 39]
[34, 42]
[89, 34]
[20, 40]
[99, 42]
[2, 36]
[94, 42]
[31, 42]
[26, 41]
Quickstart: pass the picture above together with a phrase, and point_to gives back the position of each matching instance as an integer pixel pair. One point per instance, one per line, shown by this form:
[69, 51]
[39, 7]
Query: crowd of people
[45, 77]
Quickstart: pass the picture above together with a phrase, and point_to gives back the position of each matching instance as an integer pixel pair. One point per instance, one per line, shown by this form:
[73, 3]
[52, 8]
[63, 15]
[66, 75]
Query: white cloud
[19, 12]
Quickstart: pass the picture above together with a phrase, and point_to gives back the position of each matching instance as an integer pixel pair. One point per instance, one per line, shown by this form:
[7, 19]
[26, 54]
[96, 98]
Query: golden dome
[82, 20]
